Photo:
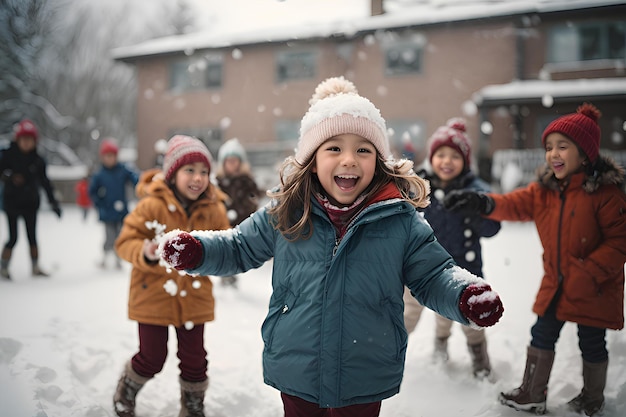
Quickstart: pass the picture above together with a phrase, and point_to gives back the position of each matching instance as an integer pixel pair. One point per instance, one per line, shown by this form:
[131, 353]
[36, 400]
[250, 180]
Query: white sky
[240, 14]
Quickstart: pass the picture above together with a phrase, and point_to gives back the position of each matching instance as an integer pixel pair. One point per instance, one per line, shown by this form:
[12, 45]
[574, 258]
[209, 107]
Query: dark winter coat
[459, 233]
[243, 196]
[582, 228]
[149, 300]
[107, 191]
[23, 174]
[334, 334]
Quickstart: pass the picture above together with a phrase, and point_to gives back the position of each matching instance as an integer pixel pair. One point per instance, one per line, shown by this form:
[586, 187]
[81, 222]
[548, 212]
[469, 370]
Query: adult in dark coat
[23, 172]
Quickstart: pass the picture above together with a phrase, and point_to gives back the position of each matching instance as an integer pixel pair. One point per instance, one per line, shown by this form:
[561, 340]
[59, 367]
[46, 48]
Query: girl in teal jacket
[345, 238]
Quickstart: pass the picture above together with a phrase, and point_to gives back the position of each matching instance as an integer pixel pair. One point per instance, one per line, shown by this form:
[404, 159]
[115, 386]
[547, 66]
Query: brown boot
[480, 360]
[34, 259]
[4, 263]
[192, 398]
[591, 398]
[532, 394]
[127, 388]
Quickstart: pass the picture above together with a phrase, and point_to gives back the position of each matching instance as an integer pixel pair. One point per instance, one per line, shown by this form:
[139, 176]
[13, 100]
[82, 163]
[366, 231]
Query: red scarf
[342, 216]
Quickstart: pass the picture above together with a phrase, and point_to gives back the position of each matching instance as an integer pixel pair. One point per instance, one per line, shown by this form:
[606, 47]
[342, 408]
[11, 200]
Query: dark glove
[468, 202]
[481, 305]
[57, 210]
[182, 251]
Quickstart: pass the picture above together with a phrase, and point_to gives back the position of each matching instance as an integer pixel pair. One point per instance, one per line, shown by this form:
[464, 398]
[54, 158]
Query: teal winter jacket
[334, 334]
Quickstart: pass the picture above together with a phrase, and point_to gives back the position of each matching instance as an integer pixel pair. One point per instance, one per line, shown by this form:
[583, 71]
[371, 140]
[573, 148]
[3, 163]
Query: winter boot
[192, 398]
[481, 367]
[532, 394]
[4, 263]
[440, 354]
[127, 388]
[34, 259]
[591, 398]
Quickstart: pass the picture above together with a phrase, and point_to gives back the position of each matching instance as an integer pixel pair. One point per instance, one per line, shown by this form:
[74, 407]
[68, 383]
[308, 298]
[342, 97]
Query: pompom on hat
[452, 134]
[581, 127]
[337, 108]
[183, 150]
[26, 128]
[109, 145]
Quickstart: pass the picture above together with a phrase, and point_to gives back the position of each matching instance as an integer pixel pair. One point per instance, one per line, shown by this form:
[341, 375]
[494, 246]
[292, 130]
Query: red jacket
[583, 232]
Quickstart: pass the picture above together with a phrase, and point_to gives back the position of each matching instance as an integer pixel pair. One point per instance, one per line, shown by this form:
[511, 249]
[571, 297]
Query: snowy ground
[64, 340]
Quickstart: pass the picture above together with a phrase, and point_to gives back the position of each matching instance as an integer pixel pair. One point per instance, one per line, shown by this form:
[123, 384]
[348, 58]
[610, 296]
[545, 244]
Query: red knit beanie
[581, 127]
[183, 150]
[452, 135]
[26, 128]
[108, 145]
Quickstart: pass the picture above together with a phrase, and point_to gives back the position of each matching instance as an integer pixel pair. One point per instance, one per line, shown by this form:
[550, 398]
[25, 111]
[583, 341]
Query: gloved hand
[57, 210]
[481, 305]
[468, 202]
[182, 251]
[149, 250]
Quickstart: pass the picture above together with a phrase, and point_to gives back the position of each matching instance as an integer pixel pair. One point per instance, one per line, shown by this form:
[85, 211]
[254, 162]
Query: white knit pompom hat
[337, 108]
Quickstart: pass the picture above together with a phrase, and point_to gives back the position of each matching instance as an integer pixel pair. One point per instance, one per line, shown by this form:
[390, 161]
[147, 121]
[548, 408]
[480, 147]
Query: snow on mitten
[181, 251]
[481, 305]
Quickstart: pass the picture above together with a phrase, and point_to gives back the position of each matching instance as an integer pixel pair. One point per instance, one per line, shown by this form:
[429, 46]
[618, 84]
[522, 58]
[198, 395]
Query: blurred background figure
[23, 171]
[234, 177]
[82, 196]
[108, 194]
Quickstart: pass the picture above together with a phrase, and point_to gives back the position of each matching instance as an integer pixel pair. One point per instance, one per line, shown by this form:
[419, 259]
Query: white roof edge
[536, 89]
[411, 16]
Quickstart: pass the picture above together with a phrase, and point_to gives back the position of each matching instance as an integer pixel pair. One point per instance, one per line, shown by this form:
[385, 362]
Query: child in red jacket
[578, 205]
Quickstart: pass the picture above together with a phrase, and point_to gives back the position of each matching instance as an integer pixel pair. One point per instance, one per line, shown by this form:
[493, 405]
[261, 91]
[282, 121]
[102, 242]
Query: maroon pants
[297, 407]
[153, 352]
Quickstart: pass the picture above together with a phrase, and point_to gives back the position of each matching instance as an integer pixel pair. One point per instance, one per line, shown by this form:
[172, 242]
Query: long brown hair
[291, 208]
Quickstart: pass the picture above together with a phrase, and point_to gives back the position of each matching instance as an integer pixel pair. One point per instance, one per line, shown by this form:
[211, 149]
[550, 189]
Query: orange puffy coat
[157, 296]
[583, 232]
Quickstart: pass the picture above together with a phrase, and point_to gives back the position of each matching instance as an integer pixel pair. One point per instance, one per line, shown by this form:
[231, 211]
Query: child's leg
[358, 410]
[152, 350]
[412, 311]
[192, 354]
[297, 407]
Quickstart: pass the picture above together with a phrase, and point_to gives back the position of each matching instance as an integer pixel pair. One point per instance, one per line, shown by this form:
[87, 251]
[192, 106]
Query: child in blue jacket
[108, 191]
[345, 238]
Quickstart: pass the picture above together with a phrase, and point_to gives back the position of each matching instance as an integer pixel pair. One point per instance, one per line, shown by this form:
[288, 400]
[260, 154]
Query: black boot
[4, 263]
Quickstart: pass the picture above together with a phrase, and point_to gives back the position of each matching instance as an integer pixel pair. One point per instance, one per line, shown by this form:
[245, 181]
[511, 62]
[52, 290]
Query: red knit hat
[26, 128]
[108, 145]
[183, 150]
[581, 127]
[452, 135]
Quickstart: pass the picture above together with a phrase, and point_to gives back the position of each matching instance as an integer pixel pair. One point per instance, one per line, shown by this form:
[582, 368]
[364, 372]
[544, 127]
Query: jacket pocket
[279, 309]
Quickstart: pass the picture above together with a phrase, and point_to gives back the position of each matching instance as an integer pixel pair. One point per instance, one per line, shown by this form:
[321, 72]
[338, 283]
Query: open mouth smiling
[346, 182]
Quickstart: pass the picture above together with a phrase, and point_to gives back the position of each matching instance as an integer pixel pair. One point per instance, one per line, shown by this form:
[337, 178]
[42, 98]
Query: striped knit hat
[183, 150]
[581, 127]
[337, 108]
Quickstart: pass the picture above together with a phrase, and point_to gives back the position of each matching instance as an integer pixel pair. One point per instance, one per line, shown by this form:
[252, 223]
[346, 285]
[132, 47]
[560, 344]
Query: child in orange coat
[180, 196]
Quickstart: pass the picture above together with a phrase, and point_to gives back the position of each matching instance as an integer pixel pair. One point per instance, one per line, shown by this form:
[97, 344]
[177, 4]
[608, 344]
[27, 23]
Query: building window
[403, 54]
[196, 73]
[295, 65]
[587, 41]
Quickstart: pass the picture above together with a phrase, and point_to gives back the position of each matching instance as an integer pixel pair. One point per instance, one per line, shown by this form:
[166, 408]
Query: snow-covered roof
[532, 90]
[434, 12]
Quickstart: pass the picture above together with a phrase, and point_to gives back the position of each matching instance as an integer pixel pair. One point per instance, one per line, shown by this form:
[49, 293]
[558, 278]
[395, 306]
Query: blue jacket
[334, 334]
[459, 233]
[107, 190]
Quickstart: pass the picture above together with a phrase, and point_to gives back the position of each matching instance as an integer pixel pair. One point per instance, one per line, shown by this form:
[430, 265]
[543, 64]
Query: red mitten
[481, 305]
[182, 251]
